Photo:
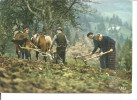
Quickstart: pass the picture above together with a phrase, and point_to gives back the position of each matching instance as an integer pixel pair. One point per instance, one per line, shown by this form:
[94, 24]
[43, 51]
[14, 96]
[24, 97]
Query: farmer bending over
[90, 35]
[106, 44]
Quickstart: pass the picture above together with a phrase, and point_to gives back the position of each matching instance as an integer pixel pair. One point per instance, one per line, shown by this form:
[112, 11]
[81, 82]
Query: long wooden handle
[82, 56]
[98, 55]
[106, 52]
[92, 58]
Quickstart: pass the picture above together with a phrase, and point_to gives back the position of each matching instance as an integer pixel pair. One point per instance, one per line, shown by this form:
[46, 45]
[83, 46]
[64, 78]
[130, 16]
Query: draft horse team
[41, 44]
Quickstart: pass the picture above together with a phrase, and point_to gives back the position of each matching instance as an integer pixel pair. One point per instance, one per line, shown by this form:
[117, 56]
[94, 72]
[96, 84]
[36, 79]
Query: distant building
[114, 29]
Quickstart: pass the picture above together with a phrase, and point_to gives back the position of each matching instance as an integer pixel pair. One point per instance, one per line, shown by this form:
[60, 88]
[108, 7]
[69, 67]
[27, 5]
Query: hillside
[18, 75]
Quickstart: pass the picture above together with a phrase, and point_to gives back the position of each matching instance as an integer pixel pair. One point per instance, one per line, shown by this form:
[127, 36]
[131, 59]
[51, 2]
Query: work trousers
[61, 53]
[108, 61]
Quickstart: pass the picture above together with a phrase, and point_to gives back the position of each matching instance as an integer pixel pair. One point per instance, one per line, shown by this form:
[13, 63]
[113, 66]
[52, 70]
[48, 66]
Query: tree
[124, 55]
[127, 48]
[39, 15]
[4, 37]
[56, 12]
[49, 13]
[115, 21]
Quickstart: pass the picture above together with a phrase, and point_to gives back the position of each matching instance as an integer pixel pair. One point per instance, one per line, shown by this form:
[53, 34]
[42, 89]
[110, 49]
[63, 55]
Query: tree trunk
[46, 29]
[36, 26]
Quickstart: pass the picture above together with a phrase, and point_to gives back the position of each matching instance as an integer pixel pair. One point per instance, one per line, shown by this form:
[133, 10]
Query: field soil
[30, 76]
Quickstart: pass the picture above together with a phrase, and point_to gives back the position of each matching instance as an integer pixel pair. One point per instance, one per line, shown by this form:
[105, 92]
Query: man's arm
[96, 45]
[53, 42]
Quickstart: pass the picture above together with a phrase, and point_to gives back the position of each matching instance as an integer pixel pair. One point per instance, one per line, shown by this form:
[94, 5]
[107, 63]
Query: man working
[61, 41]
[26, 31]
[106, 44]
[90, 35]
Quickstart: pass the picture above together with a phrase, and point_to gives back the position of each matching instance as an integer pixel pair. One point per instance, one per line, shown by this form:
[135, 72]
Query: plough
[38, 50]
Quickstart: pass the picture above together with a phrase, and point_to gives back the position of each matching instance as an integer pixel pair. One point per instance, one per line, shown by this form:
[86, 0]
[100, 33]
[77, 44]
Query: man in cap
[90, 35]
[26, 31]
[61, 41]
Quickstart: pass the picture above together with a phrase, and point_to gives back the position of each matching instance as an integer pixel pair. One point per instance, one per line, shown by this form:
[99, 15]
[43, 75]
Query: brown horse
[42, 42]
[20, 40]
[48, 43]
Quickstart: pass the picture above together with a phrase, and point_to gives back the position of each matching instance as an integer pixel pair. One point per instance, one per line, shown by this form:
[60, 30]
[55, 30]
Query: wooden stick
[82, 56]
[97, 56]
[30, 48]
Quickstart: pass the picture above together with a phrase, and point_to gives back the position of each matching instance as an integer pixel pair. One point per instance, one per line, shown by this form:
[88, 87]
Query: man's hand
[101, 54]
[111, 50]
[91, 53]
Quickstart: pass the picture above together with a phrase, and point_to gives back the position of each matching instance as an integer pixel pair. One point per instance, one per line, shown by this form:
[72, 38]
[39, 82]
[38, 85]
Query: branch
[70, 6]
[38, 9]
[31, 9]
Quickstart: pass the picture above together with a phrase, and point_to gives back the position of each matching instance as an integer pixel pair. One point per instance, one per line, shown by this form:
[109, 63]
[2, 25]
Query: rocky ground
[25, 76]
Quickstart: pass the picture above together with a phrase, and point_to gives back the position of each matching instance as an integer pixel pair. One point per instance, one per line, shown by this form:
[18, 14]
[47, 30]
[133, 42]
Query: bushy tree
[124, 55]
[115, 21]
[39, 15]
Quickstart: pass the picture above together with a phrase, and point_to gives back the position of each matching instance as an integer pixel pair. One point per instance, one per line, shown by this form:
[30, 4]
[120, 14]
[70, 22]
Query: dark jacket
[96, 44]
[60, 39]
[107, 43]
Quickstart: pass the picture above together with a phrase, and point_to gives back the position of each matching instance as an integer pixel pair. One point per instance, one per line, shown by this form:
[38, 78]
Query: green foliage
[115, 20]
[124, 55]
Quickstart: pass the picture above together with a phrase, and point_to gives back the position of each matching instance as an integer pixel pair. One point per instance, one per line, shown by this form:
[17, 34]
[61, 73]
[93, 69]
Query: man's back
[107, 43]
[61, 39]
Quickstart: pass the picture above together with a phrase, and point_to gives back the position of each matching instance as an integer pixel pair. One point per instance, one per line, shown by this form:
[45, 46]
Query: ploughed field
[29, 76]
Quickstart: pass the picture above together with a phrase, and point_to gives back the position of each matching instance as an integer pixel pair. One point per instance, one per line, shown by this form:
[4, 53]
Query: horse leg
[17, 52]
[26, 54]
[45, 58]
[37, 53]
[22, 54]
[30, 55]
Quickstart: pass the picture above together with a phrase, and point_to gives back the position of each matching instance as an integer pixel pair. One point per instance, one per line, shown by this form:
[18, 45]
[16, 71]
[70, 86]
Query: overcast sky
[123, 8]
